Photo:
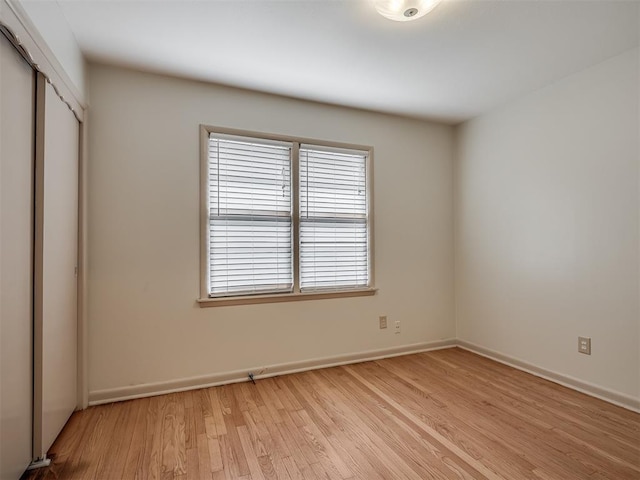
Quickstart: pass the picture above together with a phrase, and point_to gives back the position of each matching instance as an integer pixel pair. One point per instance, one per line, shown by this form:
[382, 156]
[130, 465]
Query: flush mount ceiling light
[405, 10]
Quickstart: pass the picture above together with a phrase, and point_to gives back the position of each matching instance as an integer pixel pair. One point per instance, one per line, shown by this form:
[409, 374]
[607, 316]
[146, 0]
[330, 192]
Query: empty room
[319, 239]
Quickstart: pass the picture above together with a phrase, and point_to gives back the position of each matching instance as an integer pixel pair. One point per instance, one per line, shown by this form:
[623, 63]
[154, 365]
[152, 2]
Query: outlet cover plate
[383, 321]
[584, 345]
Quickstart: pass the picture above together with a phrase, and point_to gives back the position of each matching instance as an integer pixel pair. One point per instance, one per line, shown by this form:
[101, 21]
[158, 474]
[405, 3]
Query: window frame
[204, 299]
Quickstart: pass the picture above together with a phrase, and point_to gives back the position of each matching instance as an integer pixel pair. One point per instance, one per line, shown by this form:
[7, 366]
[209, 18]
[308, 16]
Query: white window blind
[250, 227]
[334, 250]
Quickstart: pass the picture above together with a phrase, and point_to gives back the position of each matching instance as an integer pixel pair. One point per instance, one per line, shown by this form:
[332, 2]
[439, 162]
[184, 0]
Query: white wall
[144, 323]
[49, 19]
[547, 244]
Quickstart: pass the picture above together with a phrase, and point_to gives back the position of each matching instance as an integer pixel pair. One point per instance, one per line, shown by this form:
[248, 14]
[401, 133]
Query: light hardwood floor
[441, 414]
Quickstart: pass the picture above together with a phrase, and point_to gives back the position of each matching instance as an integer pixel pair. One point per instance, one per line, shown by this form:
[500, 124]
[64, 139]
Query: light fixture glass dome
[405, 10]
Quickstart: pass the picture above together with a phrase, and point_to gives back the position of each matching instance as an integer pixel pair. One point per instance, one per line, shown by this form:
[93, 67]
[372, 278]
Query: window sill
[283, 297]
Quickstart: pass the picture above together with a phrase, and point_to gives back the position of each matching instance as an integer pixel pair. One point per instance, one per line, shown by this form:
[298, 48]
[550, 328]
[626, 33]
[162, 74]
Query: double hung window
[284, 217]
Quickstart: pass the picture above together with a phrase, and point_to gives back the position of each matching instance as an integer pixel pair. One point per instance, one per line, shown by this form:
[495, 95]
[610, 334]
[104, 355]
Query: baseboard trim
[617, 398]
[98, 397]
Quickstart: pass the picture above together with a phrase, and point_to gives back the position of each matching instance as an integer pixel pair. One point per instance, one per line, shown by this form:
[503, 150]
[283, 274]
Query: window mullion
[295, 185]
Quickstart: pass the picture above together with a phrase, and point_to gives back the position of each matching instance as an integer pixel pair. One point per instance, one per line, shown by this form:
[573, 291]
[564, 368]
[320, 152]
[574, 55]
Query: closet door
[17, 111]
[56, 325]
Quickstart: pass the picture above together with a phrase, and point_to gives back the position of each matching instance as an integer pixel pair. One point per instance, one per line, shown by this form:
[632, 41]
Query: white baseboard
[98, 397]
[610, 396]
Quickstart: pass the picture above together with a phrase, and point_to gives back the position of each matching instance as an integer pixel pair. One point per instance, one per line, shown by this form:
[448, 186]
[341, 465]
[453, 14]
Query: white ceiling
[462, 59]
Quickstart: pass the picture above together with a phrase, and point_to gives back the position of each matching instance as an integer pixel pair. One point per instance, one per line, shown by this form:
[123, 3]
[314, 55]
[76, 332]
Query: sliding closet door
[17, 102]
[56, 273]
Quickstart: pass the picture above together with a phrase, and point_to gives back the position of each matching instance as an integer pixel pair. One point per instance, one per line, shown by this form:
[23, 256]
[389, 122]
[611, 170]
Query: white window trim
[204, 300]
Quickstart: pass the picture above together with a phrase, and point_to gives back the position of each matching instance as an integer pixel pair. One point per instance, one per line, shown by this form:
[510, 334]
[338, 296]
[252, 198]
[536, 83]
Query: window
[249, 217]
[284, 218]
[334, 246]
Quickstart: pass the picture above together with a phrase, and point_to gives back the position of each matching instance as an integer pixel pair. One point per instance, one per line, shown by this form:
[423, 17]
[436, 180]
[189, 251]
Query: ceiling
[460, 60]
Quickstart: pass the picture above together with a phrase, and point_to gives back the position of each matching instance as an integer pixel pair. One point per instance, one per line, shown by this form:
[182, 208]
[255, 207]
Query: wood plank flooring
[441, 414]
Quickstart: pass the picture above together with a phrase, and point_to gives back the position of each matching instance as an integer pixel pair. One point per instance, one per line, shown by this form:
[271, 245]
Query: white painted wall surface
[144, 323]
[547, 243]
[49, 19]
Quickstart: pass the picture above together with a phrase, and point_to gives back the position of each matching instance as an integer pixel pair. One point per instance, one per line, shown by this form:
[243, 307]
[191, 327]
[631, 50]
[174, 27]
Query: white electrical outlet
[383, 321]
[584, 345]
[397, 324]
